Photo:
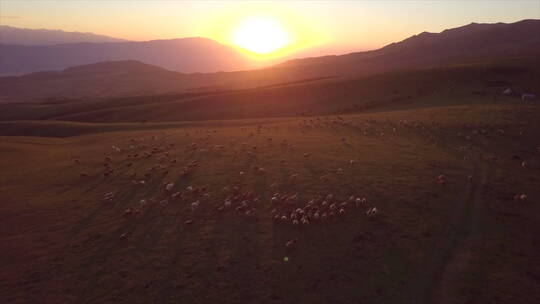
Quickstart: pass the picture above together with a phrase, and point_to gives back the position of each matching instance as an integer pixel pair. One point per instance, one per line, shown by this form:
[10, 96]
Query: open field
[464, 84]
[272, 153]
[104, 212]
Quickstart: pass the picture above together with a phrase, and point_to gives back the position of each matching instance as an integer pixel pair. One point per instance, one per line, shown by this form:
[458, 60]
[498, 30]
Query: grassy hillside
[468, 43]
[450, 85]
[466, 240]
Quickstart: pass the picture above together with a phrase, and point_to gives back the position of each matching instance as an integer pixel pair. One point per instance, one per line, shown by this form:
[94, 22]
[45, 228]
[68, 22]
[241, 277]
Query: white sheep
[195, 205]
[109, 197]
[291, 243]
[372, 212]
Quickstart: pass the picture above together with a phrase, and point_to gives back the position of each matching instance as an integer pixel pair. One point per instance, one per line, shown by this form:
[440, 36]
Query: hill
[205, 212]
[185, 55]
[24, 36]
[470, 44]
[446, 85]
[464, 44]
[216, 195]
[104, 79]
[131, 78]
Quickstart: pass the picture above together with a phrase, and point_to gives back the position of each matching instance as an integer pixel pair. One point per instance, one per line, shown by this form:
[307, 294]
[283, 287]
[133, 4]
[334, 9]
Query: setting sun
[260, 35]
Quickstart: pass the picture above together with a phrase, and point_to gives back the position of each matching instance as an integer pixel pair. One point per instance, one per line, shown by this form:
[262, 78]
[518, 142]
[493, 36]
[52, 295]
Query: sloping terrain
[187, 55]
[469, 44]
[416, 185]
[201, 213]
[24, 36]
[132, 79]
[450, 85]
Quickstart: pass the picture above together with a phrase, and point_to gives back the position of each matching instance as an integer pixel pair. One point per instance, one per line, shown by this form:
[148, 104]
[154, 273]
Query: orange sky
[318, 26]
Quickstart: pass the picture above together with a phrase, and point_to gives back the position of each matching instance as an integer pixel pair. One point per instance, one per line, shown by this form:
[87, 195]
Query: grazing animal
[527, 96]
[109, 196]
[195, 205]
[324, 216]
[508, 92]
[291, 243]
[442, 180]
[372, 212]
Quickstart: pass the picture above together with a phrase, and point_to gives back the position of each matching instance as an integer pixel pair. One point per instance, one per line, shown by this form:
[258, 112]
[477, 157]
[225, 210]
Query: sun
[260, 35]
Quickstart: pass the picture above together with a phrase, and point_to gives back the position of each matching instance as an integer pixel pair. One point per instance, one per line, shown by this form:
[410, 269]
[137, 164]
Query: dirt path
[435, 282]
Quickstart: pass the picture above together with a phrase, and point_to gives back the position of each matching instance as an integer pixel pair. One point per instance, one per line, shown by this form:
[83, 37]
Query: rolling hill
[186, 55]
[445, 85]
[400, 184]
[106, 213]
[126, 78]
[469, 43]
[474, 43]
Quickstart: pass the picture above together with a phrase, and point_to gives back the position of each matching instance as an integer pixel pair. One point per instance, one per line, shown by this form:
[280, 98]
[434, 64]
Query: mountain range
[23, 36]
[135, 76]
[187, 55]
[463, 44]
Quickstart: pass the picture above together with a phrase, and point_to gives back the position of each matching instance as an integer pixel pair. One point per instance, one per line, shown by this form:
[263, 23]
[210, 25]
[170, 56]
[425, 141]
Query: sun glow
[260, 35]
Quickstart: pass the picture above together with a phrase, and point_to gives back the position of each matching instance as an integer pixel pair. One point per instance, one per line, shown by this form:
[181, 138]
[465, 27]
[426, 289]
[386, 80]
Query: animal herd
[171, 163]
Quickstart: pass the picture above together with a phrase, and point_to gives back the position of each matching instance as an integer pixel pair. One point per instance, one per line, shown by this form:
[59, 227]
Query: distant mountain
[468, 43]
[184, 55]
[473, 43]
[23, 36]
[104, 79]
[128, 78]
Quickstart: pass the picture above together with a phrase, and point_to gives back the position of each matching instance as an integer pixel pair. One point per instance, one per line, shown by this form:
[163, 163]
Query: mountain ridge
[34, 37]
[467, 44]
[192, 54]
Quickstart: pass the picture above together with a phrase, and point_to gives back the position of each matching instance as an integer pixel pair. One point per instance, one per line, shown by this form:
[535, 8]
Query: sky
[319, 26]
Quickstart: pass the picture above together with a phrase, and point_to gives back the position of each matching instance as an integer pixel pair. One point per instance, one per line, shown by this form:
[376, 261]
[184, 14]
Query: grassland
[478, 83]
[468, 241]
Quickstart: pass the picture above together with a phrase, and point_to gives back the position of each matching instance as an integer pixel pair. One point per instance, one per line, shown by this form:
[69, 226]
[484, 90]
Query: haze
[277, 152]
[317, 27]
